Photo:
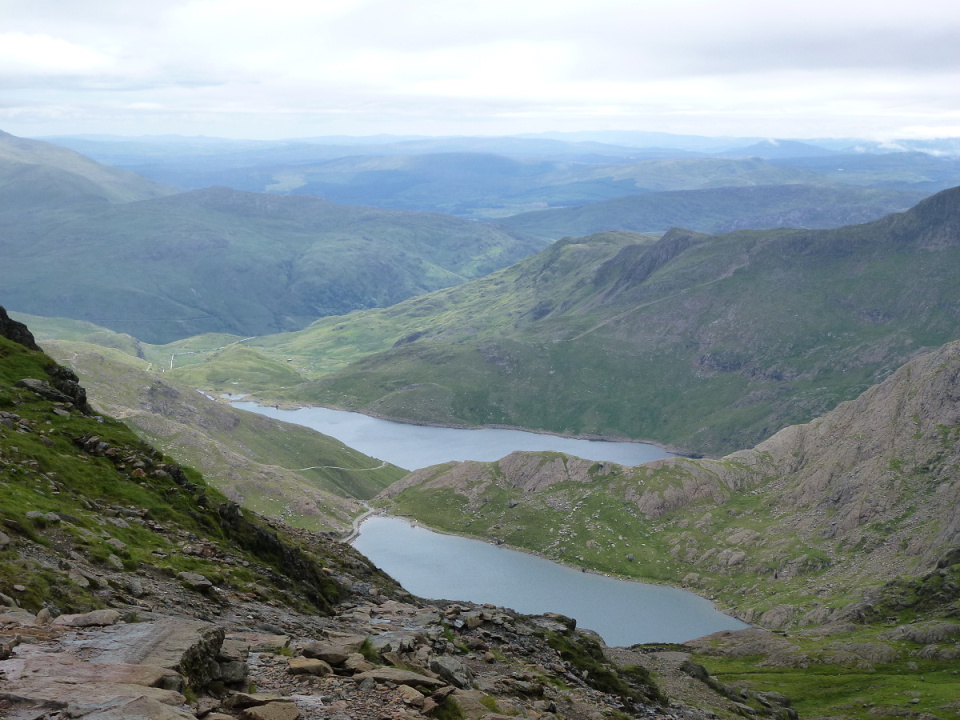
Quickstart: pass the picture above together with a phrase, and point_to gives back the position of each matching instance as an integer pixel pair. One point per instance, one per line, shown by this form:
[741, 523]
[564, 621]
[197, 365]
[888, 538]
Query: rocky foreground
[173, 648]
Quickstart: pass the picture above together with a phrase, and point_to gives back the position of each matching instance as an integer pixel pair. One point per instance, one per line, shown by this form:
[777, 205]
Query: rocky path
[372, 661]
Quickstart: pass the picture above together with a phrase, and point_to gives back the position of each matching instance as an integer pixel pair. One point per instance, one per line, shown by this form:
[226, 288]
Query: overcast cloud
[285, 68]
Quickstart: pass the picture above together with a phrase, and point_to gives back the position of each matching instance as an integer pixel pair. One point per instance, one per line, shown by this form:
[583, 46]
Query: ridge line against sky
[289, 68]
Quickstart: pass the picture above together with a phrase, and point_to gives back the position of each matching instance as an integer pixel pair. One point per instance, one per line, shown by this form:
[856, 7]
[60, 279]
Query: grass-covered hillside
[73, 481]
[109, 247]
[709, 343]
[719, 210]
[37, 175]
[274, 468]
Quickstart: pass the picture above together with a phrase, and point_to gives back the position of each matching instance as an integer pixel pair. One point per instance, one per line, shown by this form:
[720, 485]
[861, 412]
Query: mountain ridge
[712, 345]
[31, 163]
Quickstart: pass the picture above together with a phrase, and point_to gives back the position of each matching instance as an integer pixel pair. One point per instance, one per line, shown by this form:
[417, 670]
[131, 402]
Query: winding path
[355, 529]
[382, 465]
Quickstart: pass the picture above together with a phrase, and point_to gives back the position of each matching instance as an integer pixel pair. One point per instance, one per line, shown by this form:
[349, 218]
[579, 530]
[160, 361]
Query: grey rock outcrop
[16, 331]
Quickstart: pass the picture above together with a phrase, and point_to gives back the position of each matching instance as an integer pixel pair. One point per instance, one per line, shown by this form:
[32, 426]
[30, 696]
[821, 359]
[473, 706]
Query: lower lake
[418, 446]
[434, 565]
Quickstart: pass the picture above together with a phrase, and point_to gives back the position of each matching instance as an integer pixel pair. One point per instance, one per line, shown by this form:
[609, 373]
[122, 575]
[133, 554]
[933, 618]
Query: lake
[418, 446]
[434, 565]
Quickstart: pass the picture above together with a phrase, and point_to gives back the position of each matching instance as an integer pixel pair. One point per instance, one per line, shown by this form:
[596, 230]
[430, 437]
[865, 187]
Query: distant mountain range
[95, 243]
[493, 177]
[172, 264]
[718, 210]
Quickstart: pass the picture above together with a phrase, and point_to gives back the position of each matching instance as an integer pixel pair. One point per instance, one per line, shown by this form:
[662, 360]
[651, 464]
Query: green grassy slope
[274, 468]
[225, 261]
[56, 458]
[37, 174]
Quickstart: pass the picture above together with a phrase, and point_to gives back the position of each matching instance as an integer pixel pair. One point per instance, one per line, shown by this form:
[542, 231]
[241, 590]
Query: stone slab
[400, 677]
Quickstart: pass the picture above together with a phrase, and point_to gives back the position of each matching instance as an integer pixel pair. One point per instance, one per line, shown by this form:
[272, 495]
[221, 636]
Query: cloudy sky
[296, 68]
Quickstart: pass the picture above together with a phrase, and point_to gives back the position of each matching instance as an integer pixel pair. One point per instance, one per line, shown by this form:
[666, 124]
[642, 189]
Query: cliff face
[16, 331]
[886, 460]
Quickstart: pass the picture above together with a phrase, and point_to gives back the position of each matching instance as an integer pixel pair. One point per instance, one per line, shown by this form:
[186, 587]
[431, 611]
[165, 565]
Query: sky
[268, 69]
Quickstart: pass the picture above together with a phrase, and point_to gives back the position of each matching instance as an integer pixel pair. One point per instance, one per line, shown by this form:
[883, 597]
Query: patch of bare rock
[375, 659]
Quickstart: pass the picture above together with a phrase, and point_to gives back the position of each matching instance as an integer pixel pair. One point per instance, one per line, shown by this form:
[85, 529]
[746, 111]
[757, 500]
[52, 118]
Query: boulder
[308, 666]
[195, 581]
[141, 708]
[242, 700]
[17, 331]
[233, 671]
[190, 647]
[43, 388]
[90, 619]
[397, 642]
[255, 642]
[272, 711]
[81, 687]
[326, 651]
[399, 677]
[18, 617]
[357, 663]
[411, 696]
[453, 671]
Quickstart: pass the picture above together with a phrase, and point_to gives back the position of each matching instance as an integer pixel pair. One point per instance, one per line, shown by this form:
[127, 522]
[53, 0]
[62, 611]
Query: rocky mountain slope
[808, 519]
[129, 589]
[842, 534]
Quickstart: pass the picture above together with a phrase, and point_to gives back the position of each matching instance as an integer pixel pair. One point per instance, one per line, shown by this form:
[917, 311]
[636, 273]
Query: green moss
[449, 709]
[586, 656]
[369, 653]
[490, 703]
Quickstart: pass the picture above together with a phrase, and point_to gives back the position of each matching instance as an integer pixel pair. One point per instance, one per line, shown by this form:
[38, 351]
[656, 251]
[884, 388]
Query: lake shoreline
[592, 437]
[671, 611]
[414, 522]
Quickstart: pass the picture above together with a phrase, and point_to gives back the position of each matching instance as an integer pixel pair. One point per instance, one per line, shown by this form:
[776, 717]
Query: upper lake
[418, 446]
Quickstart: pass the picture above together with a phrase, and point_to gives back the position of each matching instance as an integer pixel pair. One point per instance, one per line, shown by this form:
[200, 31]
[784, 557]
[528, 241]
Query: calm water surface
[433, 565]
[418, 446]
